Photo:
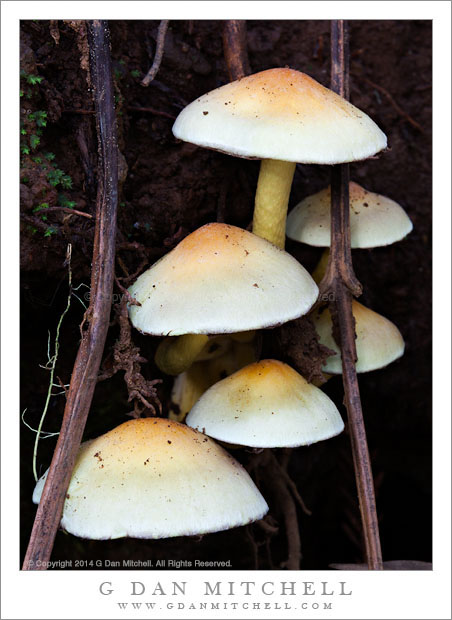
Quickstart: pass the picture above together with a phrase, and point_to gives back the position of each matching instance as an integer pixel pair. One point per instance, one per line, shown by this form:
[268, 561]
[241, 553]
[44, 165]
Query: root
[266, 467]
[51, 363]
[126, 357]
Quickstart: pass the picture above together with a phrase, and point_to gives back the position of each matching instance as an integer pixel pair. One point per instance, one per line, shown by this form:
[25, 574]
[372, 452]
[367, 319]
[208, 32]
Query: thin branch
[86, 367]
[341, 281]
[235, 50]
[151, 111]
[163, 27]
[66, 210]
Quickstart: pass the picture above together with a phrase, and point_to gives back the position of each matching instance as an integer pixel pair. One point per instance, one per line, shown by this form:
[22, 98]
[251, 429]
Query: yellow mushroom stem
[175, 354]
[272, 199]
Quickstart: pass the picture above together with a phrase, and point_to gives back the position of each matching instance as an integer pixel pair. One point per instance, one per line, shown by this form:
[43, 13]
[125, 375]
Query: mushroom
[266, 404]
[219, 279]
[378, 341]
[154, 478]
[282, 117]
[375, 220]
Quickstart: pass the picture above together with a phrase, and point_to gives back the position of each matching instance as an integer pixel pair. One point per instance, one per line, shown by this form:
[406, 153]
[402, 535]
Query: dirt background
[170, 189]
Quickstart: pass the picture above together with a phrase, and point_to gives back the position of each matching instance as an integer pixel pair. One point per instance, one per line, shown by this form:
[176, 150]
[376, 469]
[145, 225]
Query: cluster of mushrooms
[159, 477]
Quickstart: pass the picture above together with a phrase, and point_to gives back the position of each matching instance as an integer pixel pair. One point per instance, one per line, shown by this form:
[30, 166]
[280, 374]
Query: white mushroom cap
[280, 114]
[221, 279]
[378, 341]
[154, 478]
[374, 220]
[266, 405]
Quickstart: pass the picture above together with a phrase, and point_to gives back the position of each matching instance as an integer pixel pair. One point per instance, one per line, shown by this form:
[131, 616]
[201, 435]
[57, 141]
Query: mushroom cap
[378, 341]
[266, 405]
[375, 220]
[280, 114]
[221, 279]
[154, 478]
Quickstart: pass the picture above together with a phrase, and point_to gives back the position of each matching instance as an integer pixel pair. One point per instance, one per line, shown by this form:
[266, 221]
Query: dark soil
[170, 189]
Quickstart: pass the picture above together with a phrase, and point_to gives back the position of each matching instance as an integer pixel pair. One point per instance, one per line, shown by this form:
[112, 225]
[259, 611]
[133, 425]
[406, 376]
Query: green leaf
[41, 118]
[66, 181]
[34, 141]
[34, 79]
[64, 201]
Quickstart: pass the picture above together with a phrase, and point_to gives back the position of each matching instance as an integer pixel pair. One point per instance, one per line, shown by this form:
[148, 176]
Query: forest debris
[126, 356]
[79, 26]
[163, 27]
[298, 342]
[54, 31]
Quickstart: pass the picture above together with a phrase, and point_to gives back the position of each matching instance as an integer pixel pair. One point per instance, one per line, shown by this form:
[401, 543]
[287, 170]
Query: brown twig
[235, 51]
[151, 111]
[150, 75]
[86, 367]
[341, 281]
[66, 210]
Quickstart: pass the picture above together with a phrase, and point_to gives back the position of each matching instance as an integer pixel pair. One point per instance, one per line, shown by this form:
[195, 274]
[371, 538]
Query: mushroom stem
[177, 354]
[272, 199]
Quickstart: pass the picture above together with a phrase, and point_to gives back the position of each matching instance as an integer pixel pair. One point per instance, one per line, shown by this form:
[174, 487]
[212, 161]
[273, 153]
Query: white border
[375, 595]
